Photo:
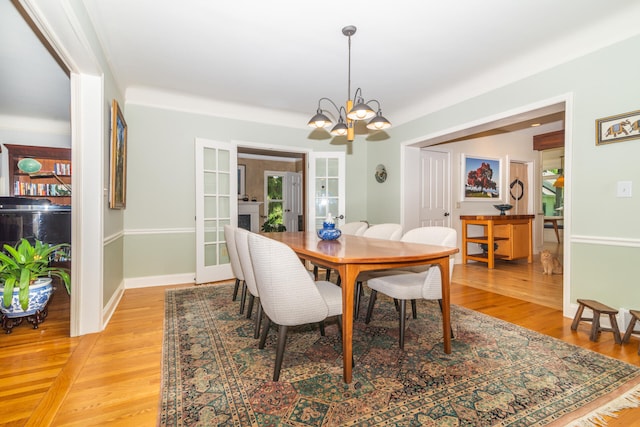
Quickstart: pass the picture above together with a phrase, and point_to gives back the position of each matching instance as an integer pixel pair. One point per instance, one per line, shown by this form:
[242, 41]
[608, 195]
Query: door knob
[446, 214]
[340, 217]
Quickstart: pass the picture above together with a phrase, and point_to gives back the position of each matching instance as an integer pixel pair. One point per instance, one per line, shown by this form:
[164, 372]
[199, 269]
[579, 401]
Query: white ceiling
[413, 56]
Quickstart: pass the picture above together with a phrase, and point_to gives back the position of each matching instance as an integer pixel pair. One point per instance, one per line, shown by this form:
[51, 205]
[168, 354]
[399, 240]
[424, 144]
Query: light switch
[624, 189]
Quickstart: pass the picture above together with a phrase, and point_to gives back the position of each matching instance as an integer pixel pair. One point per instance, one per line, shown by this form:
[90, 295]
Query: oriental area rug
[498, 374]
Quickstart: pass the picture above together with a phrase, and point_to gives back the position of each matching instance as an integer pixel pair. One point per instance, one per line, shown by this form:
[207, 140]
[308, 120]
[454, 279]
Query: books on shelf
[62, 168]
[33, 189]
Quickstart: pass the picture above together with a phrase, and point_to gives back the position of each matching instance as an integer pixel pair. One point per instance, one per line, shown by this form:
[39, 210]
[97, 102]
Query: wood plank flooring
[113, 378]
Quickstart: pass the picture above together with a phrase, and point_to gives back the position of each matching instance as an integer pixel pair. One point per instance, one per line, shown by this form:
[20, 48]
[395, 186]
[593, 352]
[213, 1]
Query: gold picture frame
[118, 159]
[621, 127]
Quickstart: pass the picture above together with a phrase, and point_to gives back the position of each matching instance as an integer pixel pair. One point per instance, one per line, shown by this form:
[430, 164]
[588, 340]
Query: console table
[507, 237]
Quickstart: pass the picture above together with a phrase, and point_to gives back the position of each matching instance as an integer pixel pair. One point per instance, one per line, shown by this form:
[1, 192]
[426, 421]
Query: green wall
[160, 215]
[604, 227]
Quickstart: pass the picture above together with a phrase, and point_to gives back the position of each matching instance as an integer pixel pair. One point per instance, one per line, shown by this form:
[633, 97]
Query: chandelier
[349, 114]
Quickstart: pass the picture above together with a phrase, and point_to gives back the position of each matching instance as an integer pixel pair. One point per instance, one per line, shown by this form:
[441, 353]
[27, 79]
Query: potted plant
[271, 224]
[25, 277]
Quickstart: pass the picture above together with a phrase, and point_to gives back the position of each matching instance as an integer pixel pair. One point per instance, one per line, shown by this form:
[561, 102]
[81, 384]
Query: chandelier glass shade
[352, 111]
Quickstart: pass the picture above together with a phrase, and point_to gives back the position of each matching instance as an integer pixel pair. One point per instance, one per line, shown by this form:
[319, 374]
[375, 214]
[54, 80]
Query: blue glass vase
[329, 231]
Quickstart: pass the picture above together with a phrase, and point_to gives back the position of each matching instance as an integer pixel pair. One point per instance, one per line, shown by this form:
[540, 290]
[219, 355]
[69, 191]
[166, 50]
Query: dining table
[351, 255]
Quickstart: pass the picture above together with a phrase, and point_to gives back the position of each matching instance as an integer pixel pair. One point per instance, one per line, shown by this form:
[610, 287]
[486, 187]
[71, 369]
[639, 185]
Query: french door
[327, 188]
[216, 206]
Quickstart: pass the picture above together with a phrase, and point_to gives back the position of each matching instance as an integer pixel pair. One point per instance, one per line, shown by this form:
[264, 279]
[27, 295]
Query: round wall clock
[381, 173]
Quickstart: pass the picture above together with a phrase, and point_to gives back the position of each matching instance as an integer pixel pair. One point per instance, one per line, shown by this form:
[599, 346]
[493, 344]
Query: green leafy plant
[274, 220]
[273, 223]
[21, 265]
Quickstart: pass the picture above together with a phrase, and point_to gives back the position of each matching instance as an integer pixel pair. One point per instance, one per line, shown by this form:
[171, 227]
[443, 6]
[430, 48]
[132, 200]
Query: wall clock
[381, 173]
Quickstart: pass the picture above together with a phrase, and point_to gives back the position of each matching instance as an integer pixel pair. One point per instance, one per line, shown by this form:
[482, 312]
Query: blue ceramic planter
[39, 294]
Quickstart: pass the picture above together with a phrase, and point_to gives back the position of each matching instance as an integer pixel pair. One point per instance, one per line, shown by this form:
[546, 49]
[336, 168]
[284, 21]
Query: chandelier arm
[356, 97]
[377, 102]
[332, 103]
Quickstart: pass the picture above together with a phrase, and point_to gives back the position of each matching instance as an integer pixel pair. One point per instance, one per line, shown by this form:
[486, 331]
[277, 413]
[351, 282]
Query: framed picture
[242, 173]
[118, 159]
[481, 178]
[622, 127]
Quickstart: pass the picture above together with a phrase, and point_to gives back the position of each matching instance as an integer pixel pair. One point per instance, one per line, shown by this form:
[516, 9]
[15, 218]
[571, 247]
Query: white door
[435, 194]
[283, 195]
[327, 188]
[292, 200]
[216, 205]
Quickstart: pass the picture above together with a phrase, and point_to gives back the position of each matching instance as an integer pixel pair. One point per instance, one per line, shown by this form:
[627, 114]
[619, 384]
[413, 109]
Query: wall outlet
[624, 189]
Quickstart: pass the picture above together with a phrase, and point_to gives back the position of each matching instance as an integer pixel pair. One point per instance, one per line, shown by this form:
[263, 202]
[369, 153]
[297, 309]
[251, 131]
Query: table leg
[555, 228]
[464, 241]
[446, 303]
[490, 246]
[348, 275]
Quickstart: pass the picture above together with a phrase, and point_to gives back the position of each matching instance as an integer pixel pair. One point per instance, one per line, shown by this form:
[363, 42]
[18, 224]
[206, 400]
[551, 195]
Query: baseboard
[149, 281]
[111, 306]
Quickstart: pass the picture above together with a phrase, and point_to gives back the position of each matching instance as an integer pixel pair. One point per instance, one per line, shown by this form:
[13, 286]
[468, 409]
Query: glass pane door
[274, 197]
[328, 182]
[216, 206]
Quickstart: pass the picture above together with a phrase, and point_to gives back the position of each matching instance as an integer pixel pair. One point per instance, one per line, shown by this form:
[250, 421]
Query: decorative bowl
[503, 208]
[329, 231]
[29, 165]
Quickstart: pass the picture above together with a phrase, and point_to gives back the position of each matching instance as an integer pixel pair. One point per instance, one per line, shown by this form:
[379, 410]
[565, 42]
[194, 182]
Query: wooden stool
[598, 310]
[635, 315]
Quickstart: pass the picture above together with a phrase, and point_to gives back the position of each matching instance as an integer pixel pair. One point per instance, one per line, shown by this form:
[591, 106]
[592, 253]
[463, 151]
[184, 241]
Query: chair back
[288, 294]
[387, 231]
[230, 238]
[354, 228]
[242, 246]
[441, 236]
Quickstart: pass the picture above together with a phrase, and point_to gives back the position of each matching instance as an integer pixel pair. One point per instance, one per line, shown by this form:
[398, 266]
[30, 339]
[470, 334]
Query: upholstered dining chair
[411, 285]
[387, 231]
[242, 246]
[236, 268]
[288, 294]
[356, 228]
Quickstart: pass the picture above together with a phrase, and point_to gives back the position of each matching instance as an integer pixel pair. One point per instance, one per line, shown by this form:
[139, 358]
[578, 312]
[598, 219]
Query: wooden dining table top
[351, 255]
[360, 250]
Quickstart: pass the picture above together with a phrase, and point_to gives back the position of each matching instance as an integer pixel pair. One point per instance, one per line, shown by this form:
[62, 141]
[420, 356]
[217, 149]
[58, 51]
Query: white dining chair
[411, 285]
[236, 268]
[242, 246]
[387, 231]
[288, 294]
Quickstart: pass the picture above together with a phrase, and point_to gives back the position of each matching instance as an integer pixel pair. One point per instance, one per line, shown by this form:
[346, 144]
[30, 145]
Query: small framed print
[622, 127]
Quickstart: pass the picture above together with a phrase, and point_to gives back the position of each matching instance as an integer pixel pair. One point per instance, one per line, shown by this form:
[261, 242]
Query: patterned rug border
[619, 397]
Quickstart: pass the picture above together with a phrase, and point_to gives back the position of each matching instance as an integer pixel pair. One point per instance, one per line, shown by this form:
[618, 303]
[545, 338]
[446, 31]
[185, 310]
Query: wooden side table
[513, 235]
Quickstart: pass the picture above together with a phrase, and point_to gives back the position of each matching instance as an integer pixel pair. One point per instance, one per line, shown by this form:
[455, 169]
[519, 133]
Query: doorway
[258, 164]
[499, 123]
[283, 200]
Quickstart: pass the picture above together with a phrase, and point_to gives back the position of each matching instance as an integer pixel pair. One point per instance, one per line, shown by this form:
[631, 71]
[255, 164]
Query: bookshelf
[39, 185]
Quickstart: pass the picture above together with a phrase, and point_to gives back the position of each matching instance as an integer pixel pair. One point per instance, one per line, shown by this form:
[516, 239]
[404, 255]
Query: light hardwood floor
[113, 378]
